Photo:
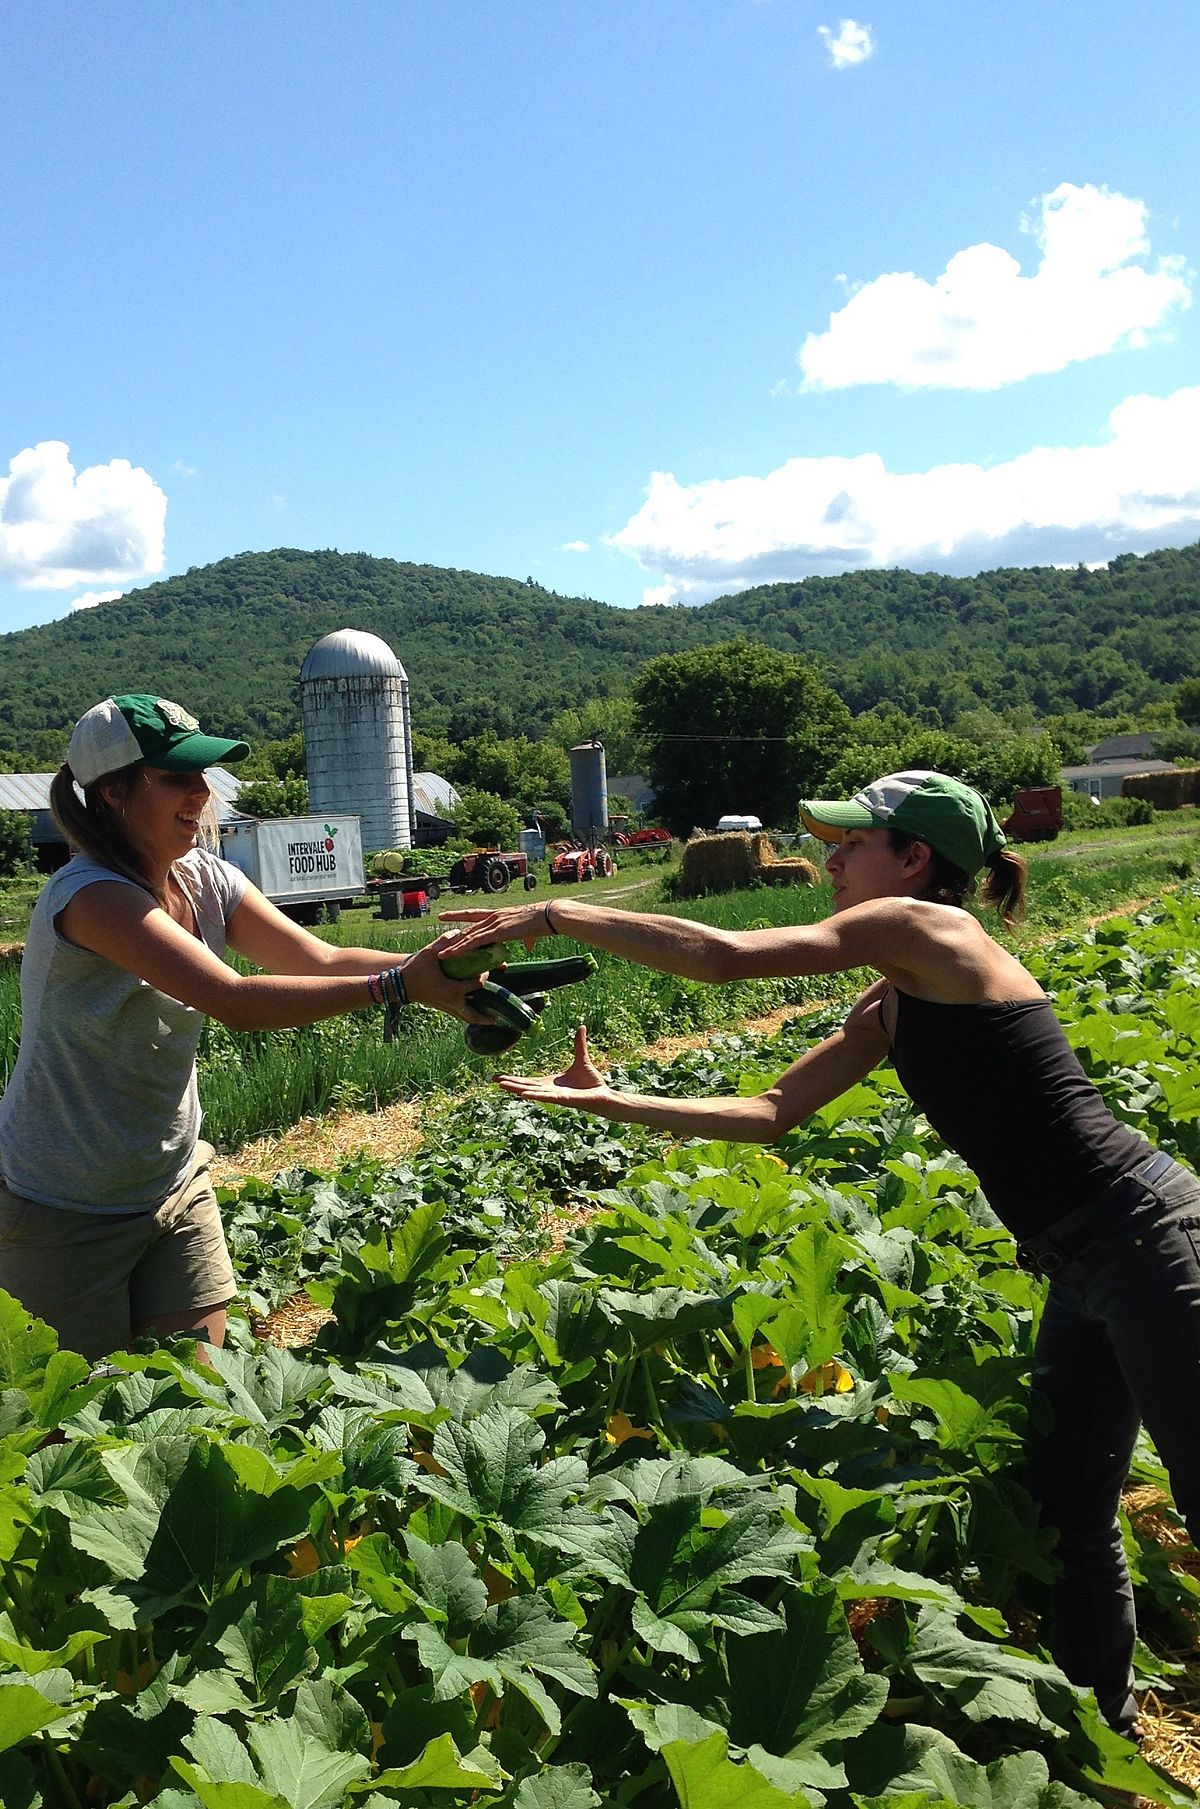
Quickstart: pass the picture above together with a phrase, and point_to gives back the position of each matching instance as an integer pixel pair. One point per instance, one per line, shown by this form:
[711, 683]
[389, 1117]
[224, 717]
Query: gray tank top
[101, 1113]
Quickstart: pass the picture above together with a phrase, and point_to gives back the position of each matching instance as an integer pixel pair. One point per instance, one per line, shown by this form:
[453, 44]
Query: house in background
[1112, 761]
[637, 788]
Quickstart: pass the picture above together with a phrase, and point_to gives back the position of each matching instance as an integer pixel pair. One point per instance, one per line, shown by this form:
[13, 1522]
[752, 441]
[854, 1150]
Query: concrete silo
[358, 736]
[589, 790]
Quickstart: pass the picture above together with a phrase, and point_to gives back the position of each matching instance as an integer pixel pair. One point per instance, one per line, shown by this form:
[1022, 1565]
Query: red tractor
[490, 870]
[571, 866]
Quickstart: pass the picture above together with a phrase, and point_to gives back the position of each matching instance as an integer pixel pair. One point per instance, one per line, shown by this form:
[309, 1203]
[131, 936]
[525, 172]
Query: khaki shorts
[98, 1279]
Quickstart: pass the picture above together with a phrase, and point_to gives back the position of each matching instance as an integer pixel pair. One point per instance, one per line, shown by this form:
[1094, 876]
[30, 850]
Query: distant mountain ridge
[228, 640]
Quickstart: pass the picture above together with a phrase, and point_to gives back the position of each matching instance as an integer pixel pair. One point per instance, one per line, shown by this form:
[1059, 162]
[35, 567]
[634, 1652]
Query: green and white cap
[134, 729]
[953, 818]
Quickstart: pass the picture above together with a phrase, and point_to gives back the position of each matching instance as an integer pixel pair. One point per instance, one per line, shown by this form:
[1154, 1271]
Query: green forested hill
[228, 640]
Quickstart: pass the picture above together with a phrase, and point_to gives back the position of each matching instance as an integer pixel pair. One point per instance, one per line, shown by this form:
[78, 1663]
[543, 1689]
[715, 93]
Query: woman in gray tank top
[108, 1223]
[1113, 1223]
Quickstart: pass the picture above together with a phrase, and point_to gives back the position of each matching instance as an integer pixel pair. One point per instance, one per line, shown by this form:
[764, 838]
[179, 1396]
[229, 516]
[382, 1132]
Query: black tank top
[1001, 1085]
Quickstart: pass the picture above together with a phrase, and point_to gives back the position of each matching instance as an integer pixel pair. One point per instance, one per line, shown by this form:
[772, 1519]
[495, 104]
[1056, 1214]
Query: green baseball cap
[139, 729]
[952, 817]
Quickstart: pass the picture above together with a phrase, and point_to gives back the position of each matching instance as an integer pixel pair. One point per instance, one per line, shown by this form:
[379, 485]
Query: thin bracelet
[395, 998]
[549, 919]
[375, 989]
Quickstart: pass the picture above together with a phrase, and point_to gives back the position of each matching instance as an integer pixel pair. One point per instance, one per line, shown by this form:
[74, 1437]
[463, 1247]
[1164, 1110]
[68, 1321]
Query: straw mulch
[1171, 1727]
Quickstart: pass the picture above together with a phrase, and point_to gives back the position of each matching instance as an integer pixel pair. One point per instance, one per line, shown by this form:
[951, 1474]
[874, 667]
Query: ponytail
[92, 826]
[1004, 887]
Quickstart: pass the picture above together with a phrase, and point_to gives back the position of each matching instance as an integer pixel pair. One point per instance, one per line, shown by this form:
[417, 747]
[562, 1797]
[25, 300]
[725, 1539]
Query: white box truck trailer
[308, 866]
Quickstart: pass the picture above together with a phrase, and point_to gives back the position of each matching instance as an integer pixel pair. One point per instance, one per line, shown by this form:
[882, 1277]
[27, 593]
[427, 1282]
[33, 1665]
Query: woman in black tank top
[1112, 1223]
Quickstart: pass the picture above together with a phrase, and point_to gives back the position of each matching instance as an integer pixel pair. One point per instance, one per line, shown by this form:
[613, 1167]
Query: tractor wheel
[494, 877]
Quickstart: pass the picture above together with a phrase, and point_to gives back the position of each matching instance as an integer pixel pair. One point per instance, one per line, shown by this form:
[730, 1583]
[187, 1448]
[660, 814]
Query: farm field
[712, 1497]
[260, 1082]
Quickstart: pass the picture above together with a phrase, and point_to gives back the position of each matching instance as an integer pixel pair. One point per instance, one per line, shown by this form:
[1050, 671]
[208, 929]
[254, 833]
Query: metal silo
[357, 735]
[589, 790]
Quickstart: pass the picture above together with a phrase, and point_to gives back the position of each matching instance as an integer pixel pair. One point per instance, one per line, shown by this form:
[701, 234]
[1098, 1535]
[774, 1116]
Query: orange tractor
[573, 866]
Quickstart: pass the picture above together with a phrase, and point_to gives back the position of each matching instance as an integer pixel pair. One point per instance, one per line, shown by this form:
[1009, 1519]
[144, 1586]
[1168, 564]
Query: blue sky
[648, 299]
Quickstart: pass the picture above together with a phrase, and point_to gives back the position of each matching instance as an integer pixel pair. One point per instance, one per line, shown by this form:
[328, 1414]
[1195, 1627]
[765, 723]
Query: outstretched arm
[885, 934]
[821, 1074]
[124, 924]
[262, 933]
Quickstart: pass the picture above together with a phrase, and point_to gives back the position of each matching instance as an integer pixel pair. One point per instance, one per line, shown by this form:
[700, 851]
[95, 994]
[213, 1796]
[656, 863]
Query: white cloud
[184, 470]
[982, 324]
[1136, 490]
[59, 527]
[90, 598]
[851, 43]
[576, 546]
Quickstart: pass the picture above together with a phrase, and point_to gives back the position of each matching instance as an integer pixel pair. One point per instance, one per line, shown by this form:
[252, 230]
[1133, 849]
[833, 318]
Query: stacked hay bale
[780, 870]
[725, 863]
[1165, 791]
[715, 863]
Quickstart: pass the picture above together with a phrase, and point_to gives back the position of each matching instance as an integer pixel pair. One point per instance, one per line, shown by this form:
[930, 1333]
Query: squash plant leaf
[977, 1408]
[447, 1583]
[801, 1690]
[705, 1777]
[493, 1473]
[988, 1682]
[441, 1766]
[557, 1787]
[190, 1525]
[24, 1708]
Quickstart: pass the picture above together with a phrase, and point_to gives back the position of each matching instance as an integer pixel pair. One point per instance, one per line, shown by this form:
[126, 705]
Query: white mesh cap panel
[886, 795]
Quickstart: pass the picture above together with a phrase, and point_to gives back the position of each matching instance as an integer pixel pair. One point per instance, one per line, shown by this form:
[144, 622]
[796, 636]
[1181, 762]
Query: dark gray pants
[1119, 1344]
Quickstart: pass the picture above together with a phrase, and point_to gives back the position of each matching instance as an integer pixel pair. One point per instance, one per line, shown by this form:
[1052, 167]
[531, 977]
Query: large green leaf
[441, 1766]
[191, 1524]
[24, 1709]
[447, 1583]
[800, 1691]
[988, 1682]
[558, 1787]
[660, 1314]
[493, 1473]
[292, 1765]
[705, 1777]
[266, 1634]
[40, 1384]
[973, 1407]
[262, 1387]
[813, 1262]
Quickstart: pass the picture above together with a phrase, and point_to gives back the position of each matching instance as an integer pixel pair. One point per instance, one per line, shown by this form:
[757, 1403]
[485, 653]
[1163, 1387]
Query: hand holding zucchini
[512, 996]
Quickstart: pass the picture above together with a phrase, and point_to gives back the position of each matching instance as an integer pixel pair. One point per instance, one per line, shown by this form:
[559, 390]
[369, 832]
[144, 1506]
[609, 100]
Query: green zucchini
[505, 1007]
[525, 977]
[490, 1039]
[465, 967]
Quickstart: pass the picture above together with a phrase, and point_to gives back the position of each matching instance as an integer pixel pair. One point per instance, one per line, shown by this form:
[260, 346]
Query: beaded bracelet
[392, 995]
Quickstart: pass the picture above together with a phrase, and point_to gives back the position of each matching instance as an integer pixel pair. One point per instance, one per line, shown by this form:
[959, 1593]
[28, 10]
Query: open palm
[581, 1085]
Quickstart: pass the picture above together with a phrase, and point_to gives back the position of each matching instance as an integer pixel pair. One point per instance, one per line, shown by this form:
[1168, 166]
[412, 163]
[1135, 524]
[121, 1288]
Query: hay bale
[1166, 791]
[725, 863]
[715, 863]
[776, 870]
